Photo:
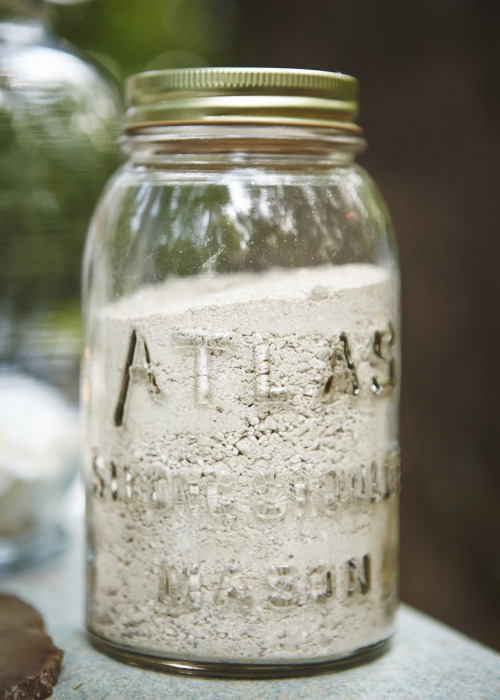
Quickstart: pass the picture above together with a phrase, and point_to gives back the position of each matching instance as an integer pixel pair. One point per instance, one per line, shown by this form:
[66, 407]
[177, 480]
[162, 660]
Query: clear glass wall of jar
[240, 381]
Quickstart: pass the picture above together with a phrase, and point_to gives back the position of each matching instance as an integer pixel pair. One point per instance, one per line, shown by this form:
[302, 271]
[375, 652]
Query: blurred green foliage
[51, 174]
[131, 35]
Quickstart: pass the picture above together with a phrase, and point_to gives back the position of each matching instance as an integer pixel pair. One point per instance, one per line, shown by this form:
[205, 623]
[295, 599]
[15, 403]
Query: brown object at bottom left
[29, 662]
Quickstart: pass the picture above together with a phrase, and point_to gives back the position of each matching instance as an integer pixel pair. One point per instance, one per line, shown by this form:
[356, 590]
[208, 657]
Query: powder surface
[245, 467]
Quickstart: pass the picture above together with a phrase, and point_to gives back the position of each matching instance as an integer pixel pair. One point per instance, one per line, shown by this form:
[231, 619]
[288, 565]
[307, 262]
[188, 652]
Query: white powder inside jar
[245, 466]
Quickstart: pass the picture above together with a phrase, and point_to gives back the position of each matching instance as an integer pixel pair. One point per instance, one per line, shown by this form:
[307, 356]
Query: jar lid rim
[195, 94]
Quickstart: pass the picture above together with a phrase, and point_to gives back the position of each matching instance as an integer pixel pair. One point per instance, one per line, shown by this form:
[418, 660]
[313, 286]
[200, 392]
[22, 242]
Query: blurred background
[430, 107]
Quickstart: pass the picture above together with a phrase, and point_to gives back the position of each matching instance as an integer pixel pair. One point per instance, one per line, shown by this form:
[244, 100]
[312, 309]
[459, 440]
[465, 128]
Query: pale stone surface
[427, 660]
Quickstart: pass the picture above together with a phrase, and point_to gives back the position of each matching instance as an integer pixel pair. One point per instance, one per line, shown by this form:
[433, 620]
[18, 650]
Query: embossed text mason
[240, 381]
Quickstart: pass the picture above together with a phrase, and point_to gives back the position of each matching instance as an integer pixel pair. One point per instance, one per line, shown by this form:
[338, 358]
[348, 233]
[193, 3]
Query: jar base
[250, 671]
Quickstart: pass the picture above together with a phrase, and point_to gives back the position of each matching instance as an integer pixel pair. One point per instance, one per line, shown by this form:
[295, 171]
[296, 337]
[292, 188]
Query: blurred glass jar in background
[59, 120]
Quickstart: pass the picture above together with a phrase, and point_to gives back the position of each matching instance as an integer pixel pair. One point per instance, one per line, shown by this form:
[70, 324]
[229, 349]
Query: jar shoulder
[155, 222]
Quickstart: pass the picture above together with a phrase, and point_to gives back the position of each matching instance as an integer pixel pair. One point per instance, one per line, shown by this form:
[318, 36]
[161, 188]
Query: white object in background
[38, 455]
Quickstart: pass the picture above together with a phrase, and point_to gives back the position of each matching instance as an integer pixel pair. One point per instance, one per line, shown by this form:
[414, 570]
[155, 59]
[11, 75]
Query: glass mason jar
[59, 119]
[240, 381]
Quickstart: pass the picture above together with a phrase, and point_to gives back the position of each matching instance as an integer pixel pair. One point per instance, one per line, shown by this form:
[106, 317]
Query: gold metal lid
[241, 95]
